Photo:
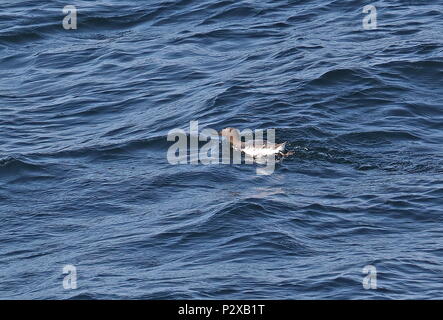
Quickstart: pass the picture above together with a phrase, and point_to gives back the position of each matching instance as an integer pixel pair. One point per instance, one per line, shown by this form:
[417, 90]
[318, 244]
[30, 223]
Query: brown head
[232, 134]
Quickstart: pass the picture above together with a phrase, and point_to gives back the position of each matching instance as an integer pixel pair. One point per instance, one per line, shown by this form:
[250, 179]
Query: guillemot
[254, 148]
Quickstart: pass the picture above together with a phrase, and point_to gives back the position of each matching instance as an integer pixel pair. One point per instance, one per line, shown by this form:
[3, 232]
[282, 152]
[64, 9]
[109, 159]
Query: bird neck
[235, 140]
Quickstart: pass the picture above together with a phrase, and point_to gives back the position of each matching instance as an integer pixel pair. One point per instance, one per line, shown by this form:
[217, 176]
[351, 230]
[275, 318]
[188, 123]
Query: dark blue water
[84, 179]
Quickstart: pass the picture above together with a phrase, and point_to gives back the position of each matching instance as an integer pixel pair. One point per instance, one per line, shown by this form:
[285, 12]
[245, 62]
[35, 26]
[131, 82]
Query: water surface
[84, 178]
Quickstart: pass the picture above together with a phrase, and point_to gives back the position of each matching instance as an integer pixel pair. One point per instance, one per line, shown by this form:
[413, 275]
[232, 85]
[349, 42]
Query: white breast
[262, 151]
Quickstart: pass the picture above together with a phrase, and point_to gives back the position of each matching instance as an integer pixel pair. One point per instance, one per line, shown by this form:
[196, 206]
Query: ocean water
[84, 178]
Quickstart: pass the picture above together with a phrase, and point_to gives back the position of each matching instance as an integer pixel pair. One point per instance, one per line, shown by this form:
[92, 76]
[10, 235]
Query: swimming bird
[254, 148]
